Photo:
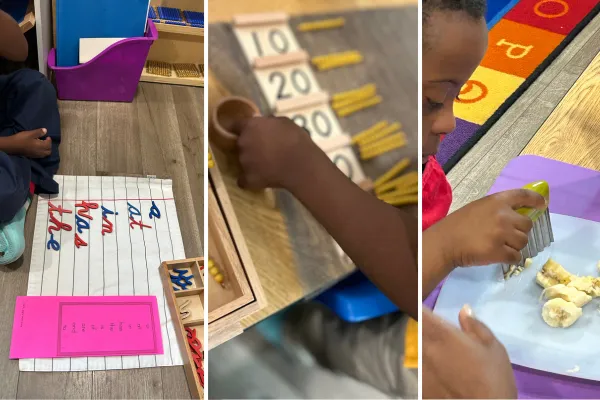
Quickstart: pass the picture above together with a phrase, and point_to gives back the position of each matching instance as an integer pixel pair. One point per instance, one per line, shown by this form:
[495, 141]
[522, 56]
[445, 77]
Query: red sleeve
[437, 193]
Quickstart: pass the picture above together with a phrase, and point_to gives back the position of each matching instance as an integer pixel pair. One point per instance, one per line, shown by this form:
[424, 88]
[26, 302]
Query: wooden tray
[241, 293]
[195, 321]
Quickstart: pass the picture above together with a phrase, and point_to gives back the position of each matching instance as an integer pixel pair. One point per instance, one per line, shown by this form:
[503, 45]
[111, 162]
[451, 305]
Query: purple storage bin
[112, 75]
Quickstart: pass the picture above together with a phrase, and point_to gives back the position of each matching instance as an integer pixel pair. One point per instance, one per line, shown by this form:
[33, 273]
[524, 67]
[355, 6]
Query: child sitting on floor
[382, 240]
[29, 140]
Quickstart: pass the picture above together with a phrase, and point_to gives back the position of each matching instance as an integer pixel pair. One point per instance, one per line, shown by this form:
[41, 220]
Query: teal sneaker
[12, 237]
[272, 328]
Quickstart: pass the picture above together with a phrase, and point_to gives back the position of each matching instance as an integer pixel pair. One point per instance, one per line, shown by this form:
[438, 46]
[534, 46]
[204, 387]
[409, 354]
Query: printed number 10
[277, 40]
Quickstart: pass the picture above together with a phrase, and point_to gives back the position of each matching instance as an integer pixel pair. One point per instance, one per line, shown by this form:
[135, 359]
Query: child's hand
[488, 230]
[28, 144]
[272, 152]
[467, 364]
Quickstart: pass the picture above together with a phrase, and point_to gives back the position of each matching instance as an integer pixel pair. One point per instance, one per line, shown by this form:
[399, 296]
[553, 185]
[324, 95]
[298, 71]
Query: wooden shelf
[171, 80]
[179, 29]
[177, 44]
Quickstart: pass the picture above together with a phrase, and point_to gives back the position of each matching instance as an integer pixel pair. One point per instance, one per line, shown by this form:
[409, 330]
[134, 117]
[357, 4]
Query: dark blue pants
[27, 102]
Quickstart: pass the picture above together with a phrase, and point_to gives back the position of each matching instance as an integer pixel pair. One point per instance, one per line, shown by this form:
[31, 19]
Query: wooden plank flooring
[570, 134]
[473, 176]
[160, 133]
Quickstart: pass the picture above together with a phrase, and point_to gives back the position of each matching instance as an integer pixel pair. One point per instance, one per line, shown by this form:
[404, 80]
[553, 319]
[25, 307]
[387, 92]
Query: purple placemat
[574, 191]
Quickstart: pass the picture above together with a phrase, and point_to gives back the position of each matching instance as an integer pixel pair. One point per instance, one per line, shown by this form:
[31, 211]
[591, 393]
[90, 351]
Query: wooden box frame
[196, 266]
[177, 44]
[227, 248]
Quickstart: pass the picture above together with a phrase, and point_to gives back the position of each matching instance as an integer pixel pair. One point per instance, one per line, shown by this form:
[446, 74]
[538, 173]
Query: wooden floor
[160, 133]
[473, 176]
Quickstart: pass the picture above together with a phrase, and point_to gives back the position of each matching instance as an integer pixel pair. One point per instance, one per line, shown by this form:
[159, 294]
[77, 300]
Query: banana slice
[587, 284]
[559, 313]
[567, 293]
[552, 273]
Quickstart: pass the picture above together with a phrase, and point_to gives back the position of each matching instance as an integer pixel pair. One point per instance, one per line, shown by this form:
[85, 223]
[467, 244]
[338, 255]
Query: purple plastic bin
[112, 75]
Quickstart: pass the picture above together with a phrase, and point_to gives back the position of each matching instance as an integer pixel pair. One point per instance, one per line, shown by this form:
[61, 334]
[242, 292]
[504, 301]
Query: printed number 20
[299, 79]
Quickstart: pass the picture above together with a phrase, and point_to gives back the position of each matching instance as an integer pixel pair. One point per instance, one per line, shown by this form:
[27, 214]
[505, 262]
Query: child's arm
[379, 238]
[486, 231]
[13, 45]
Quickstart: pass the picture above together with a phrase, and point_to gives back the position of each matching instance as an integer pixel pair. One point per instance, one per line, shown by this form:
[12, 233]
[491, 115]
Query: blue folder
[77, 19]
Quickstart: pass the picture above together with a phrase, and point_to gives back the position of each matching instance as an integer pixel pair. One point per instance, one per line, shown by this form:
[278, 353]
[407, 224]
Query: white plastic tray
[512, 309]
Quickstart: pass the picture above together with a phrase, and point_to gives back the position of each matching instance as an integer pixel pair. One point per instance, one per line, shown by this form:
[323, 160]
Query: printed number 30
[319, 121]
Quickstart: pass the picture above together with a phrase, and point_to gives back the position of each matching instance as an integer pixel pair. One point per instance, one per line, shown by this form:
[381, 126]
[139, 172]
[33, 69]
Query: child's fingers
[248, 181]
[238, 126]
[473, 327]
[38, 133]
[518, 198]
[242, 181]
[517, 241]
[435, 329]
[521, 222]
[512, 255]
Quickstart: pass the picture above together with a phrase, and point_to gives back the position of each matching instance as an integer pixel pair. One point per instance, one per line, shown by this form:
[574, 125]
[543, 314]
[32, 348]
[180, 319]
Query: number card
[260, 41]
[286, 82]
[61, 326]
[346, 161]
[319, 121]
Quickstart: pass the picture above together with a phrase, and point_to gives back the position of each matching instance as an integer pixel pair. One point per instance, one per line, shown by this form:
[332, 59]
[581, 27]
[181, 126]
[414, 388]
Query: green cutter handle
[542, 188]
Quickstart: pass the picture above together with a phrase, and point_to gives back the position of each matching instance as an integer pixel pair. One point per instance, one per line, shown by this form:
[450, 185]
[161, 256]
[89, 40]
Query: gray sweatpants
[371, 351]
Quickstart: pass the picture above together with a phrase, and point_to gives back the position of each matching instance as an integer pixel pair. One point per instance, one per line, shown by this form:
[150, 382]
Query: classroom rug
[525, 37]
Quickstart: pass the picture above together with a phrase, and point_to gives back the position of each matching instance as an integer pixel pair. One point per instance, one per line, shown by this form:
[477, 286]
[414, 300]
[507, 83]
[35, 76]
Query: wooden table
[286, 276]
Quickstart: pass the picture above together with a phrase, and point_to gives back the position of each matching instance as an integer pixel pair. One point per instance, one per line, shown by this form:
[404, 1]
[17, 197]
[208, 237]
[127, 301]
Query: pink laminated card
[73, 326]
